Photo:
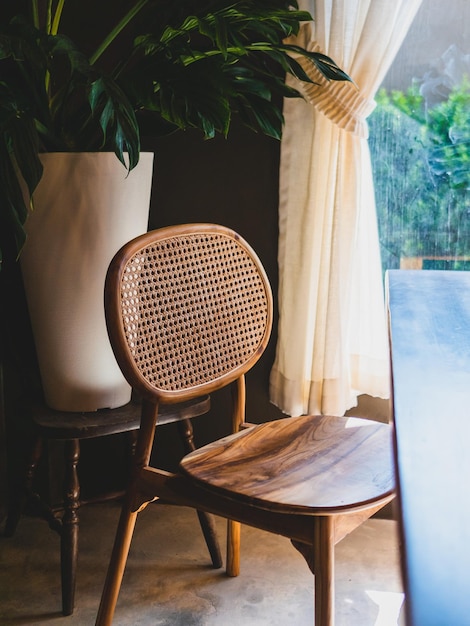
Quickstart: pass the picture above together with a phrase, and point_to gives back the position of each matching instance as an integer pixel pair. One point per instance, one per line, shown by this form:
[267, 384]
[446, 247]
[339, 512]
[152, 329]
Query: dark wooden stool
[72, 428]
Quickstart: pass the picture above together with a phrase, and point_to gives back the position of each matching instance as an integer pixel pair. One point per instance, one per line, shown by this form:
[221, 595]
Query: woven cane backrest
[189, 309]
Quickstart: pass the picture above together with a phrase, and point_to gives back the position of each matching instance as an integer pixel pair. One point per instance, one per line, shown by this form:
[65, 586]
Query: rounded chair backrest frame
[188, 310]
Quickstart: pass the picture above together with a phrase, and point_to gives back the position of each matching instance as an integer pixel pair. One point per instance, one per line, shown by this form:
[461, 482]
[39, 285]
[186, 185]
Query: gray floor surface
[169, 582]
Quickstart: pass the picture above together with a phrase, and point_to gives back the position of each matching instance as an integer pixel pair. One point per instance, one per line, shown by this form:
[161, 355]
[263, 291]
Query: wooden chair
[189, 310]
[72, 428]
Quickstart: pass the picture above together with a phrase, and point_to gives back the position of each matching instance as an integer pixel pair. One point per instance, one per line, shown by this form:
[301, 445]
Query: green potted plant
[157, 66]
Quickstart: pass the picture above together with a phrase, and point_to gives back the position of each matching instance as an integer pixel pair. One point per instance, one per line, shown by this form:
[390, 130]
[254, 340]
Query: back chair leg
[233, 547]
[206, 520]
[207, 523]
[116, 566]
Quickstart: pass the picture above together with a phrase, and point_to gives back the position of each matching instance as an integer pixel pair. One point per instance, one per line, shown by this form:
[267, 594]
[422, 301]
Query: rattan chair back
[188, 308]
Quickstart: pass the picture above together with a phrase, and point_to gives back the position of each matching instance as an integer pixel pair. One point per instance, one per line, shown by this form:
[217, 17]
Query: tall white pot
[85, 208]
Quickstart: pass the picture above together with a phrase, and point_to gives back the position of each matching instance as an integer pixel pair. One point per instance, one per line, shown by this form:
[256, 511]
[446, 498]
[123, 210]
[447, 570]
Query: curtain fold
[332, 341]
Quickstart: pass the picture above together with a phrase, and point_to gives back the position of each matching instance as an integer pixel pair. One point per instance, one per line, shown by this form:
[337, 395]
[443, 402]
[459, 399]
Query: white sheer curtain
[332, 343]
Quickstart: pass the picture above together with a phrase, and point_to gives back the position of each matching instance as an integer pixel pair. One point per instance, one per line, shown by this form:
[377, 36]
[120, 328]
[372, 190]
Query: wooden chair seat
[63, 425]
[313, 465]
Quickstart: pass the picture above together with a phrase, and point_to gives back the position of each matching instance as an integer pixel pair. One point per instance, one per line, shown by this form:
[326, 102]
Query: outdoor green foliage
[421, 162]
[159, 66]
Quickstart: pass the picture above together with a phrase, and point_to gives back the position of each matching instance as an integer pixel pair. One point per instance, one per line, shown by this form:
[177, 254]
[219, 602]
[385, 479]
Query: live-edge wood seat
[72, 428]
[312, 479]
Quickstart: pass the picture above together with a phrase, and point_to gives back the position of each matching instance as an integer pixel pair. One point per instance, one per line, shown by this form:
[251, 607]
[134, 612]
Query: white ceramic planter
[85, 208]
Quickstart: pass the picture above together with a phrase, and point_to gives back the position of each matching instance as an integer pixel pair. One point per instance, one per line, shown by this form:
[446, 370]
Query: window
[420, 144]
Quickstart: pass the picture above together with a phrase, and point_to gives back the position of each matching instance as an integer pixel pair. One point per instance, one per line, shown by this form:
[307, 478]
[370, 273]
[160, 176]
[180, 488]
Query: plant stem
[57, 16]
[48, 17]
[35, 12]
[116, 30]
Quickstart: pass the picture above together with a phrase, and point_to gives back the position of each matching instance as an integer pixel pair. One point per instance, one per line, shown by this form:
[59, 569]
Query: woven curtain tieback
[341, 102]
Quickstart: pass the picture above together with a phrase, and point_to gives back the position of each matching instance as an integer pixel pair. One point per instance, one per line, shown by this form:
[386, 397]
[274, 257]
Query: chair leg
[116, 566]
[323, 564]
[206, 520]
[70, 526]
[67, 527]
[233, 547]
[207, 523]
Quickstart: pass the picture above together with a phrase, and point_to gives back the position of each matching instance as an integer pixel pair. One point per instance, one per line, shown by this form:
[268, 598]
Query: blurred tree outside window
[420, 149]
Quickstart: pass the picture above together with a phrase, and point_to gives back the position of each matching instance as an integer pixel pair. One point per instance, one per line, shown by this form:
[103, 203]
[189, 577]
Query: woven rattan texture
[194, 308]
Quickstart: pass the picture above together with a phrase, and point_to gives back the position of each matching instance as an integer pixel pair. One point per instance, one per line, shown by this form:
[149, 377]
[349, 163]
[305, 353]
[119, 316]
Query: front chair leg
[324, 566]
[128, 517]
[320, 559]
[116, 566]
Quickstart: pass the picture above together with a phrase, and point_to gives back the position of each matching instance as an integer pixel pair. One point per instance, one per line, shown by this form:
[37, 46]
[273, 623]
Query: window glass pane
[420, 144]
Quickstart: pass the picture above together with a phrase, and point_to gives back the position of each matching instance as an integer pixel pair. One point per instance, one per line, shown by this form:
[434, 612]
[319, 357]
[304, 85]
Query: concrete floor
[168, 581]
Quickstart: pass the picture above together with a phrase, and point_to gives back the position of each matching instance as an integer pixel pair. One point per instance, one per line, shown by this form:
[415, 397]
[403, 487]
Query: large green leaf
[18, 159]
[117, 119]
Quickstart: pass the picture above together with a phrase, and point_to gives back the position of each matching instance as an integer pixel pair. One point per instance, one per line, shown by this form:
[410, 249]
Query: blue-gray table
[429, 313]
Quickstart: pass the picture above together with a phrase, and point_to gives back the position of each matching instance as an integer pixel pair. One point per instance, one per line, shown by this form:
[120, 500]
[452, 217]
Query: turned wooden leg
[186, 432]
[207, 521]
[25, 489]
[69, 533]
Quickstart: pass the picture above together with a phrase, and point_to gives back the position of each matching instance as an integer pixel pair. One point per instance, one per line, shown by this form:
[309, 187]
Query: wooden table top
[429, 314]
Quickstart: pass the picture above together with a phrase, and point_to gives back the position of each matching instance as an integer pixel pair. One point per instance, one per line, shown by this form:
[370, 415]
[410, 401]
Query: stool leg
[206, 520]
[70, 527]
[132, 436]
[25, 490]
